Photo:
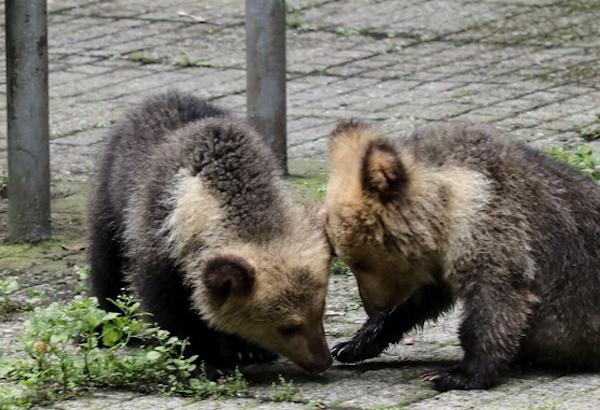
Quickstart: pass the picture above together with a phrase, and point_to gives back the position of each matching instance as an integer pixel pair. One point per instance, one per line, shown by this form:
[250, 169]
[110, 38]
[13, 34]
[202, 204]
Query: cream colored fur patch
[196, 214]
[469, 195]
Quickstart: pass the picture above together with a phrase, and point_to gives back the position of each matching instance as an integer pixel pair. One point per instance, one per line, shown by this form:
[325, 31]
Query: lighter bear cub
[190, 214]
[460, 212]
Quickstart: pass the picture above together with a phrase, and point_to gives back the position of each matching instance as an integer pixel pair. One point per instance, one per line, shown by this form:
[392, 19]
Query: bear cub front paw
[355, 350]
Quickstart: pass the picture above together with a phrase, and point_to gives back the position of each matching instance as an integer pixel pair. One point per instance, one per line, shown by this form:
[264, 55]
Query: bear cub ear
[228, 275]
[382, 172]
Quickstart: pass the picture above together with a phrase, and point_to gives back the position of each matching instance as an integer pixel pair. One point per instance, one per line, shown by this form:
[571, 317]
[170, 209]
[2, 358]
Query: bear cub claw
[355, 350]
[454, 378]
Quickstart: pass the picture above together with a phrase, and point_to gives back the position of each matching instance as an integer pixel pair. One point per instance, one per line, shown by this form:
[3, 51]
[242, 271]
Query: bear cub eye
[289, 330]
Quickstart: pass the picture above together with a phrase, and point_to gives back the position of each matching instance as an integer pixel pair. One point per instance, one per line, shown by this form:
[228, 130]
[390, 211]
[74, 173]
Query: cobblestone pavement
[531, 67]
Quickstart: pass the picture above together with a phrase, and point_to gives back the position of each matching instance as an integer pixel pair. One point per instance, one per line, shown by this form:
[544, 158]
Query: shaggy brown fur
[190, 213]
[460, 212]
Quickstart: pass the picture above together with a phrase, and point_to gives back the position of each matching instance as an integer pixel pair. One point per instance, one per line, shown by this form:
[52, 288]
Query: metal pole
[28, 130]
[265, 72]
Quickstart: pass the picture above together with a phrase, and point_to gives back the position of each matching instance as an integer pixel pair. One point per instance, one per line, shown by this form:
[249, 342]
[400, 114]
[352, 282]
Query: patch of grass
[320, 191]
[29, 299]
[294, 22]
[62, 357]
[204, 64]
[83, 275]
[8, 286]
[580, 158]
[579, 5]
[19, 256]
[184, 61]
[353, 305]
[285, 391]
[68, 226]
[591, 132]
[307, 189]
[346, 31]
[340, 268]
[140, 57]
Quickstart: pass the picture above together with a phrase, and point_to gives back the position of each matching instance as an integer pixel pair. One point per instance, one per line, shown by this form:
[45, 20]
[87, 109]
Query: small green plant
[353, 305]
[136, 56]
[8, 286]
[205, 64]
[579, 5]
[82, 272]
[285, 390]
[340, 268]
[591, 132]
[30, 297]
[308, 189]
[83, 275]
[62, 356]
[294, 22]
[140, 57]
[346, 31]
[320, 191]
[184, 61]
[34, 297]
[580, 158]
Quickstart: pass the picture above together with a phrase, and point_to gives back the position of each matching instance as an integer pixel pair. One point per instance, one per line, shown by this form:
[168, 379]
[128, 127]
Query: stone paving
[530, 67]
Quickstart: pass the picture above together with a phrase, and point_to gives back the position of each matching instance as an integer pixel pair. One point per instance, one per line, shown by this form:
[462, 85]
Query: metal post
[265, 72]
[28, 130]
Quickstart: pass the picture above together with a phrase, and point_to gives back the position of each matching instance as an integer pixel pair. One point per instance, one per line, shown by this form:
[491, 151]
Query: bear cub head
[268, 288]
[386, 215]
[253, 291]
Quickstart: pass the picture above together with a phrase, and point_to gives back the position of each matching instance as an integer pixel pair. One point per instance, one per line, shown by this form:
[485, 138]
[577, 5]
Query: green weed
[580, 158]
[346, 31]
[340, 268]
[591, 132]
[285, 390]
[204, 64]
[184, 61]
[140, 57]
[8, 286]
[62, 356]
[294, 22]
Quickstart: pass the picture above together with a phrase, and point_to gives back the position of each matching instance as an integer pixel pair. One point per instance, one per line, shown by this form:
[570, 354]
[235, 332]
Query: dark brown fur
[501, 226]
[190, 213]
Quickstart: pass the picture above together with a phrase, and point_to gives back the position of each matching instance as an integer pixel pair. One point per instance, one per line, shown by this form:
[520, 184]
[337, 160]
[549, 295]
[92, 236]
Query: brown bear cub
[190, 214]
[461, 213]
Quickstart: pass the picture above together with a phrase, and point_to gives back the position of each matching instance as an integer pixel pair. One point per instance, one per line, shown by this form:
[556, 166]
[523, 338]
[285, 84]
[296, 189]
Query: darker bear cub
[190, 214]
[460, 212]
